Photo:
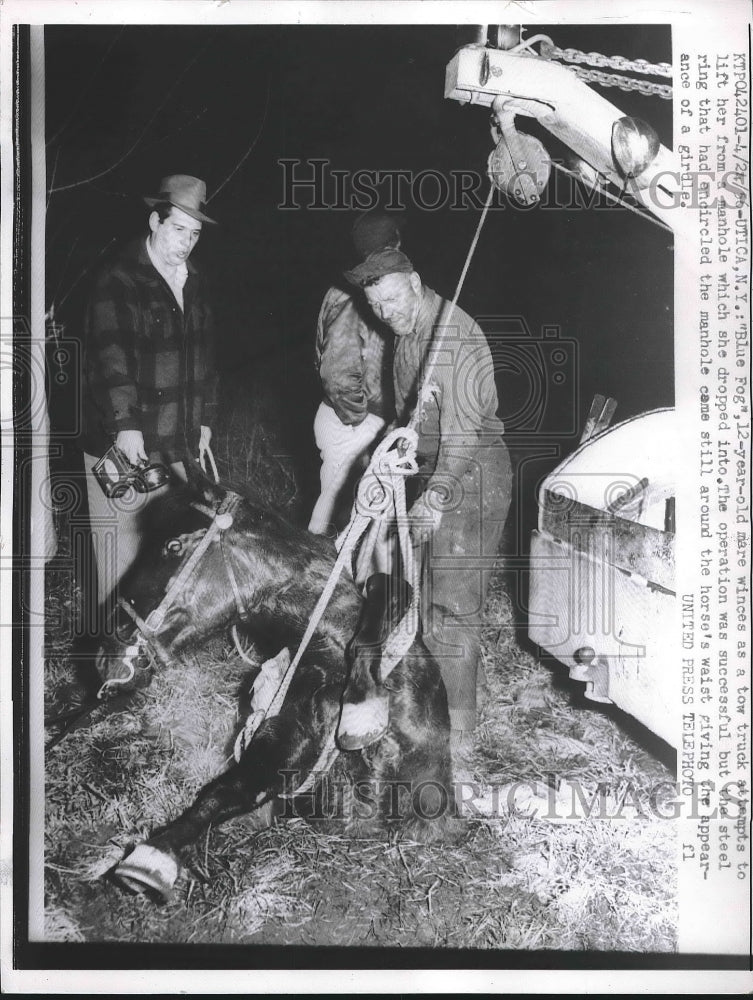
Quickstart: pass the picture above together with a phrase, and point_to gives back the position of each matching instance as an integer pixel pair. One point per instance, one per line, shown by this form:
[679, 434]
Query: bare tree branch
[82, 274]
[84, 89]
[52, 179]
[246, 155]
[177, 131]
[62, 273]
[142, 133]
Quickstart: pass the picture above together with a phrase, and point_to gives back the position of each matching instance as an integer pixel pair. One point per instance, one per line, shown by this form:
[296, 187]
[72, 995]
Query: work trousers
[342, 448]
[116, 528]
[456, 565]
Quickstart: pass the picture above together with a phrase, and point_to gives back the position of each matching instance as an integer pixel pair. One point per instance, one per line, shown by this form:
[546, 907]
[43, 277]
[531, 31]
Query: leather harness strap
[222, 520]
[227, 562]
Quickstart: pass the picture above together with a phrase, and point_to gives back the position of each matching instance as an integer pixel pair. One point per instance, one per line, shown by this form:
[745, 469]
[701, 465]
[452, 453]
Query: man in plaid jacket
[150, 383]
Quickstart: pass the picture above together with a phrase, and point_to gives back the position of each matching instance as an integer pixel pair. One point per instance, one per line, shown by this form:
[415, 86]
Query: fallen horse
[216, 559]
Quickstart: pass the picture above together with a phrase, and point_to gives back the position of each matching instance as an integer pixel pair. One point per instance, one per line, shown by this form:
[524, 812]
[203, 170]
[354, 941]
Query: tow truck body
[602, 571]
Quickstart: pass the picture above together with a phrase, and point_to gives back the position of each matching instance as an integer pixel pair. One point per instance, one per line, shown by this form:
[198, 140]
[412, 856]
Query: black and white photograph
[376, 443]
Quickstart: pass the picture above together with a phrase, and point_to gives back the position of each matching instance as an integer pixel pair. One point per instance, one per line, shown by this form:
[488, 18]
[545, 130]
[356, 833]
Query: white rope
[443, 324]
[111, 682]
[402, 636]
[401, 639]
[241, 651]
[397, 466]
[389, 468]
[149, 647]
[203, 456]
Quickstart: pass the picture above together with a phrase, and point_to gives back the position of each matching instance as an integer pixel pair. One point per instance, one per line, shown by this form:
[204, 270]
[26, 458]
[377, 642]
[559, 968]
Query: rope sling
[381, 494]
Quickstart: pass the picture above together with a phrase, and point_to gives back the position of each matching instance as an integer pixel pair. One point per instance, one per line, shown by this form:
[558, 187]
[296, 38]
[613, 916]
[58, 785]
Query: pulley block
[519, 165]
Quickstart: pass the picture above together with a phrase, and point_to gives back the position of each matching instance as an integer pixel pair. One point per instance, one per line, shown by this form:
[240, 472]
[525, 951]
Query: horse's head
[207, 560]
[176, 592]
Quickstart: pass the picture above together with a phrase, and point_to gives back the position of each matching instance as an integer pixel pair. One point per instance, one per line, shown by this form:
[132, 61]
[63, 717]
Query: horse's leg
[241, 789]
[365, 711]
[284, 745]
[412, 763]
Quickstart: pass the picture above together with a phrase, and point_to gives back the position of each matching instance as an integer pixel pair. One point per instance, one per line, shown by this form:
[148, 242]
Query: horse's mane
[189, 506]
[289, 564]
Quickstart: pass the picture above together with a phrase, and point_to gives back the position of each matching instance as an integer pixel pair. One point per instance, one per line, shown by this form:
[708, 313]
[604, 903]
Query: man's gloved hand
[424, 517]
[131, 443]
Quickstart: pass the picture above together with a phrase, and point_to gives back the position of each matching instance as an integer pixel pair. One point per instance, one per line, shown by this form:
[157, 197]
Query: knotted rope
[385, 479]
[381, 494]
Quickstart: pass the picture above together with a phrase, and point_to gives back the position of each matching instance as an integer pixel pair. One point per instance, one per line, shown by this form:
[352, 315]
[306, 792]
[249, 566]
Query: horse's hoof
[148, 868]
[363, 723]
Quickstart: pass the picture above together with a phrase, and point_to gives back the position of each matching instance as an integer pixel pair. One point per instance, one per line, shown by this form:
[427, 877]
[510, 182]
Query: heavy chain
[611, 62]
[645, 87]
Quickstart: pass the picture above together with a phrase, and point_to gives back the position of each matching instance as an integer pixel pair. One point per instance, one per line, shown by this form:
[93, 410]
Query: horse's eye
[125, 630]
[173, 548]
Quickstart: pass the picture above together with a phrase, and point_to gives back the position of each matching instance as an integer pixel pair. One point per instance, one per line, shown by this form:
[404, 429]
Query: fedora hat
[187, 193]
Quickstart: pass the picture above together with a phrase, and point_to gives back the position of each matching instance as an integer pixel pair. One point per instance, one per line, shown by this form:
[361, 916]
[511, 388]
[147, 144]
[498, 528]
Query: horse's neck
[281, 584]
[295, 606]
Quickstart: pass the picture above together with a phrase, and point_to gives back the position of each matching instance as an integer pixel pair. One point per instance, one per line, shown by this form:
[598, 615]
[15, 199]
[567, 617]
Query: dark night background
[192, 100]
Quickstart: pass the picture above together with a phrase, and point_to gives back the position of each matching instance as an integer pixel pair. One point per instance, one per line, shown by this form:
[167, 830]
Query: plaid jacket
[354, 359]
[148, 365]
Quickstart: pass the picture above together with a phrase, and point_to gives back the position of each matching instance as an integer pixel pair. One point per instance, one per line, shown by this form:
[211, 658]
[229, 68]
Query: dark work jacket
[148, 365]
[353, 358]
[458, 419]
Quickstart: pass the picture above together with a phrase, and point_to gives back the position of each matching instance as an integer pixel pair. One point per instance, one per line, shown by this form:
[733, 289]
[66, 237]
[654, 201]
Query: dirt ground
[513, 882]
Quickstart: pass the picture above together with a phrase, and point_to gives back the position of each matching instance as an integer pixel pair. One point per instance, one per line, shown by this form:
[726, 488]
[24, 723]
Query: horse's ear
[211, 492]
[203, 485]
